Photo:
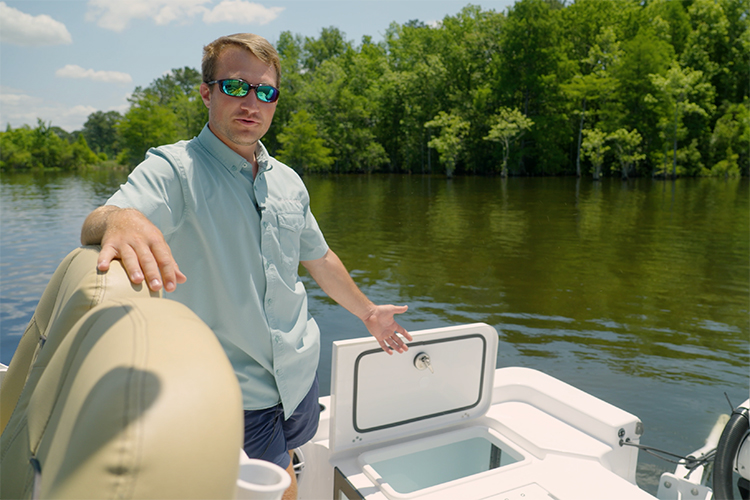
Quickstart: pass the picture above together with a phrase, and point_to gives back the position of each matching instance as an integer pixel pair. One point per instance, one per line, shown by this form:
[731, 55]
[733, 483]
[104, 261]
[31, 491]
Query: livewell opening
[410, 472]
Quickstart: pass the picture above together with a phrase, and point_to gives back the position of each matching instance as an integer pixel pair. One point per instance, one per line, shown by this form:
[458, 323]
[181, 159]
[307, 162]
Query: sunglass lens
[266, 93]
[235, 88]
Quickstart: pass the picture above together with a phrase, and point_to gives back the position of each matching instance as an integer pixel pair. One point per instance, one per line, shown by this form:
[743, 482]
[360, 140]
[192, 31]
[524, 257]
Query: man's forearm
[96, 224]
[127, 235]
[331, 275]
[333, 278]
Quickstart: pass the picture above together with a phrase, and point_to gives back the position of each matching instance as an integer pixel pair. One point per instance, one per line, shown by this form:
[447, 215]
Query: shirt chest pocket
[290, 231]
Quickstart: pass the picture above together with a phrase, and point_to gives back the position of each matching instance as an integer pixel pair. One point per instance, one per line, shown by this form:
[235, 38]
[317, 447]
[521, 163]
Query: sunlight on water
[40, 222]
[635, 292]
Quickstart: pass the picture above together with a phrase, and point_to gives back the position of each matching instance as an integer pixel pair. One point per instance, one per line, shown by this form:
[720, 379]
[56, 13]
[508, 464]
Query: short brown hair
[255, 44]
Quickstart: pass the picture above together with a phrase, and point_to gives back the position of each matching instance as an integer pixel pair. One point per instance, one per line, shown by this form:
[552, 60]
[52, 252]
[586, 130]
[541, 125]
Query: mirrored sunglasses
[239, 88]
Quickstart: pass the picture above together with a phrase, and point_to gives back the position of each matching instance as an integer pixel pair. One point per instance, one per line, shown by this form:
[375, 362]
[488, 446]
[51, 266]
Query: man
[219, 209]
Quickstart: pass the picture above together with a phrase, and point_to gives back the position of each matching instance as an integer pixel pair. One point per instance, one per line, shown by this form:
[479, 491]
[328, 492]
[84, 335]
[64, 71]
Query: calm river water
[636, 292]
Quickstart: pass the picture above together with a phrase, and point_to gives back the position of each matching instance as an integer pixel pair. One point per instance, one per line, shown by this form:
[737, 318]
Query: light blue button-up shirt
[239, 241]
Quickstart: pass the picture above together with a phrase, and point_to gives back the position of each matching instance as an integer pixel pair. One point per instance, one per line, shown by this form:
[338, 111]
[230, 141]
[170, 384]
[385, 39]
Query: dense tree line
[166, 111]
[594, 87]
[44, 148]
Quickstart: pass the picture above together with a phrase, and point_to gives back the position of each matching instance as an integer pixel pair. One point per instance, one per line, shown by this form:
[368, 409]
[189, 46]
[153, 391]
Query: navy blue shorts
[269, 437]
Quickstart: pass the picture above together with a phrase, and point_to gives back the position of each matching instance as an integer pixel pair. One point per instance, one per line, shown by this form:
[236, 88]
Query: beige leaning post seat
[115, 392]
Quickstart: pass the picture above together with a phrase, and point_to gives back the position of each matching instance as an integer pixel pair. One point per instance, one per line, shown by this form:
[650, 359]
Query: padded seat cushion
[135, 399]
[75, 288]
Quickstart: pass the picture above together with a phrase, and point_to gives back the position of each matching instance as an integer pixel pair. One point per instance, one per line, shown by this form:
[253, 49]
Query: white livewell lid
[377, 397]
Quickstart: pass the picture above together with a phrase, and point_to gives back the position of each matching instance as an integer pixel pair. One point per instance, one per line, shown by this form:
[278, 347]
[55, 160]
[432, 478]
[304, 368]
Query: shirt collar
[263, 158]
[230, 159]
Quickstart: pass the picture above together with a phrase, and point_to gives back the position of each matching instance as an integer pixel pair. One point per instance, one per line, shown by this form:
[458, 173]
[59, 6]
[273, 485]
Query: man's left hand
[389, 334]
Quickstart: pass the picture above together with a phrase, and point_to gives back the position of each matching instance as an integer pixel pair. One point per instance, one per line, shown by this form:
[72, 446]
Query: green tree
[176, 82]
[730, 142]
[331, 43]
[80, 154]
[532, 64]
[626, 149]
[410, 93]
[567, 66]
[43, 148]
[100, 131]
[292, 81]
[708, 45]
[508, 126]
[467, 45]
[301, 147]
[190, 113]
[449, 143]
[344, 116]
[178, 90]
[670, 22]
[47, 147]
[584, 22]
[15, 148]
[146, 124]
[643, 55]
[735, 84]
[596, 85]
[679, 93]
[594, 148]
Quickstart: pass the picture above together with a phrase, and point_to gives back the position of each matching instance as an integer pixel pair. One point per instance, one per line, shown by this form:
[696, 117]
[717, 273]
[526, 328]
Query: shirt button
[277, 338]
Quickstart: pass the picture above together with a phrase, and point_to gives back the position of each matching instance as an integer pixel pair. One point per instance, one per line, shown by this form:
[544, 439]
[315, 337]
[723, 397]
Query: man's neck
[254, 163]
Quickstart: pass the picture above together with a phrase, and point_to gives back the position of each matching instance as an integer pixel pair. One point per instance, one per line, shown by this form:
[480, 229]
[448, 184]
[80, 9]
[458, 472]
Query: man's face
[239, 121]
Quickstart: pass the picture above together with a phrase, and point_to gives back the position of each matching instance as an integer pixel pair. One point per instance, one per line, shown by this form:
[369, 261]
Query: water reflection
[636, 292]
[40, 222]
[631, 269]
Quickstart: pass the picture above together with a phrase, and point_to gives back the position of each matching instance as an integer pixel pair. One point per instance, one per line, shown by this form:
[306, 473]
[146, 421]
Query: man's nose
[250, 100]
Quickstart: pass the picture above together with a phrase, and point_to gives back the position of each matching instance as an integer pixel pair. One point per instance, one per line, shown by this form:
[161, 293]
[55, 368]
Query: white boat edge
[316, 474]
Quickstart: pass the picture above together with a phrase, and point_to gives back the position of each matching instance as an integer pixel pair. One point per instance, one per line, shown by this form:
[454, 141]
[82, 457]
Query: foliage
[594, 148]
[100, 131]
[509, 125]
[425, 98]
[43, 148]
[681, 92]
[146, 124]
[730, 142]
[594, 86]
[301, 146]
[627, 150]
[449, 142]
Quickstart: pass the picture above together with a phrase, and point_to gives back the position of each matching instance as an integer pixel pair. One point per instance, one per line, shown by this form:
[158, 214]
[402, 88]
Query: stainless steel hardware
[422, 361]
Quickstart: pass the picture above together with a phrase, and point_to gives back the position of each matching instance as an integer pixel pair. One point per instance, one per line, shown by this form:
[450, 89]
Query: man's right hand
[127, 235]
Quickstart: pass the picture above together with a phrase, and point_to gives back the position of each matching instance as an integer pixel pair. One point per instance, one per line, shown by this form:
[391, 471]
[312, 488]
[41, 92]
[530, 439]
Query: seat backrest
[76, 287]
[131, 396]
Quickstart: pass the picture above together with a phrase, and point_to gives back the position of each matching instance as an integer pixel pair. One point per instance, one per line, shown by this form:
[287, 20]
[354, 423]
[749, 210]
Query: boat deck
[565, 445]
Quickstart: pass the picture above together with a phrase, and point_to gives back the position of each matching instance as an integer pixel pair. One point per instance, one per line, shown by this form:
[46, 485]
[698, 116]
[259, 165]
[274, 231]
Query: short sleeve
[312, 242]
[154, 188]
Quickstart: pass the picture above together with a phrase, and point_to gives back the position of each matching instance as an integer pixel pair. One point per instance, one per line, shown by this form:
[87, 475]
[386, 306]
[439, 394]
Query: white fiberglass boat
[440, 422]
[116, 392]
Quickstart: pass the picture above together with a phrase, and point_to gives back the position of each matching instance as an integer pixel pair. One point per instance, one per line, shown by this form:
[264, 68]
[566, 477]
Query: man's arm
[331, 275]
[128, 235]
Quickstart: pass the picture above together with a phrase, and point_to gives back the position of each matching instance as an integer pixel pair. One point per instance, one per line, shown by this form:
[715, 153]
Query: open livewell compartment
[414, 467]
[395, 413]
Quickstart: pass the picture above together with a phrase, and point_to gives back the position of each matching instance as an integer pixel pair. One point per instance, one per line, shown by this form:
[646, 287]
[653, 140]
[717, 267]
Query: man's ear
[206, 94]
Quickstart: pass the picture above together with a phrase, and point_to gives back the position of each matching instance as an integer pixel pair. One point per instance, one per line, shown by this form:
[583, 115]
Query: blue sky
[61, 60]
